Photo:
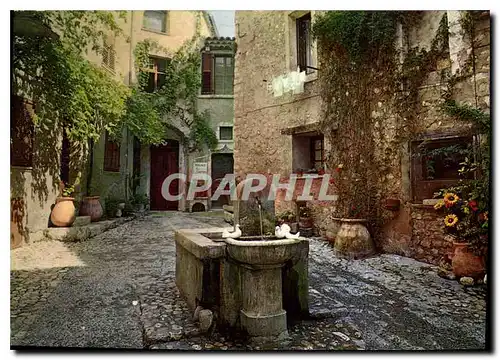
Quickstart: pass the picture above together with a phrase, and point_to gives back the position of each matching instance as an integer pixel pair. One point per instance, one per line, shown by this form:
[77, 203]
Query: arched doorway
[164, 161]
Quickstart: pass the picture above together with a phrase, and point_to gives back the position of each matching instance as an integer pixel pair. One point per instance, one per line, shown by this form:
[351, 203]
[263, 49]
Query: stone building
[277, 128]
[109, 171]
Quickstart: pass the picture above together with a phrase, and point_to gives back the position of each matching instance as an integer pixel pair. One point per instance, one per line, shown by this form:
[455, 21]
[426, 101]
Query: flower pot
[466, 263]
[63, 214]
[353, 239]
[305, 222]
[91, 206]
[332, 230]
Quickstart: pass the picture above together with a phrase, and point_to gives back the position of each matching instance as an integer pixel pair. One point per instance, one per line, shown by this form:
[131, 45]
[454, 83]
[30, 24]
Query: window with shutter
[111, 155]
[155, 21]
[22, 131]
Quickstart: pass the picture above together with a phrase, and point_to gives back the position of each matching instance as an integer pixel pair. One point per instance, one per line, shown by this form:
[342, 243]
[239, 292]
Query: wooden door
[164, 161]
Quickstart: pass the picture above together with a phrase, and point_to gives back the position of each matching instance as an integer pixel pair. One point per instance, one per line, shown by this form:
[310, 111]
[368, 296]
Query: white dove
[232, 235]
[225, 234]
[292, 236]
[278, 233]
[285, 228]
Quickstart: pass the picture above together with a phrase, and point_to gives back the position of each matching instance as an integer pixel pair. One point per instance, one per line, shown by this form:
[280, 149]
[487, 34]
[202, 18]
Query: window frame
[154, 70]
[109, 57]
[421, 187]
[164, 24]
[226, 127]
[111, 162]
[304, 60]
[225, 75]
[291, 43]
[312, 150]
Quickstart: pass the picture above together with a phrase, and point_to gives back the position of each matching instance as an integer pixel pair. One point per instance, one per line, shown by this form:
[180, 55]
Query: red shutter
[111, 155]
[207, 66]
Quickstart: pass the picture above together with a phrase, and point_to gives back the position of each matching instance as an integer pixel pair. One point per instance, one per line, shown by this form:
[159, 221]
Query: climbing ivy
[52, 70]
[174, 104]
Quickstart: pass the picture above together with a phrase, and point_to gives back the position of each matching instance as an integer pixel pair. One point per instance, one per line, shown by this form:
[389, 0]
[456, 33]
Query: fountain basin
[262, 252]
[253, 285]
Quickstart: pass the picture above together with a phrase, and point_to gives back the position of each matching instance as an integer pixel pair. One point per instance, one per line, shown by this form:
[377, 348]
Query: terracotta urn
[63, 214]
[466, 263]
[91, 206]
[353, 239]
[331, 230]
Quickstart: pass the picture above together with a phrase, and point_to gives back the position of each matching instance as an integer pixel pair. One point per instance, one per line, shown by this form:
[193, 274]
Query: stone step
[228, 208]
[81, 221]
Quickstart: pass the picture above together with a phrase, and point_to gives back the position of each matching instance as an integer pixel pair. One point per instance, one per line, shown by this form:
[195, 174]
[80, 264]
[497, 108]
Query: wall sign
[200, 167]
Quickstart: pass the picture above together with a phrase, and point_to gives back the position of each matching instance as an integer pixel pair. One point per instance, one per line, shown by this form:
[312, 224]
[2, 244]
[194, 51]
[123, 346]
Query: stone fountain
[253, 283]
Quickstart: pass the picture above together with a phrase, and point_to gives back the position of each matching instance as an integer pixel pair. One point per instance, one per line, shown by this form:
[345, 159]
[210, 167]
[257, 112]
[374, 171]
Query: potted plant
[140, 202]
[467, 221]
[91, 206]
[63, 213]
[353, 238]
[305, 218]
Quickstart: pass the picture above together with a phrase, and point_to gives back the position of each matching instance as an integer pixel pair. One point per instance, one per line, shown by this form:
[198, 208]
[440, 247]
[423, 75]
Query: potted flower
[140, 202]
[353, 238]
[467, 221]
[63, 213]
[305, 218]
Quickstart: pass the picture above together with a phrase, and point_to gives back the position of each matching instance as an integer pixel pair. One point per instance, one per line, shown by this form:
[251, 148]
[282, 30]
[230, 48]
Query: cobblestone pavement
[118, 290]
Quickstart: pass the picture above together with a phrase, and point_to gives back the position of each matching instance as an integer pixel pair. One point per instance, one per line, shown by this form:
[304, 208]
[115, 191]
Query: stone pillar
[262, 313]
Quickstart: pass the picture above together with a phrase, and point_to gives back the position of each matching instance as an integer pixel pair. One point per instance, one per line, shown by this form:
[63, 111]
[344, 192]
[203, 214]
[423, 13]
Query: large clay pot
[353, 239]
[63, 214]
[332, 230]
[305, 222]
[91, 206]
[466, 263]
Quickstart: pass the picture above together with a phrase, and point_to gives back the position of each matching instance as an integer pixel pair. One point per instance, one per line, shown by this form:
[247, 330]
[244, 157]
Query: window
[308, 151]
[317, 152]
[155, 21]
[22, 131]
[217, 74]
[304, 43]
[111, 155]
[157, 74]
[435, 164]
[108, 57]
[226, 133]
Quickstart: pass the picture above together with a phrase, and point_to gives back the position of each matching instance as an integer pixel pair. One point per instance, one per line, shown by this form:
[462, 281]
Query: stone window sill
[154, 31]
[216, 96]
[24, 168]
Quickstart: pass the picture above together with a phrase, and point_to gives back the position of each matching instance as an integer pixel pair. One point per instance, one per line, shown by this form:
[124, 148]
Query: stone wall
[429, 241]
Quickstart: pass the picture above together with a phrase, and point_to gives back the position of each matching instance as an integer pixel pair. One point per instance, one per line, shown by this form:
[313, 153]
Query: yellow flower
[450, 199]
[451, 220]
[485, 216]
[439, 205]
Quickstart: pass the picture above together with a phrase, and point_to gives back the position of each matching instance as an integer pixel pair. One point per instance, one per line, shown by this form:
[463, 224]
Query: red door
[164, 161]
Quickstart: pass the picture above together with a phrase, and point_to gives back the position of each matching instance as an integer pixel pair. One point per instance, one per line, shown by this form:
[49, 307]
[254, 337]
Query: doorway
[222, 164]
[164, 162]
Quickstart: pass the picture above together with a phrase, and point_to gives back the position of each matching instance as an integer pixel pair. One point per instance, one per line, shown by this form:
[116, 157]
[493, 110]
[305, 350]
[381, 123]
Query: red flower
[473, 205]
[337, 169]
[332, 181]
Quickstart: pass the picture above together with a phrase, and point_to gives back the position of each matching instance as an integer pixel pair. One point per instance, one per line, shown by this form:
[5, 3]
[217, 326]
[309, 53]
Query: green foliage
[359, 33]
[201, 133]
[65, 86]
[68, 190]
[287, 215]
